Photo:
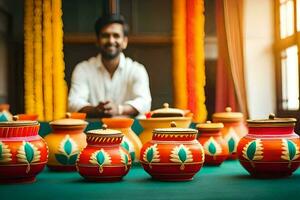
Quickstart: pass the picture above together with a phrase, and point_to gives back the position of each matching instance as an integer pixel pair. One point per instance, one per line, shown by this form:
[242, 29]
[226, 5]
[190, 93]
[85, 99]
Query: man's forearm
[128, 110]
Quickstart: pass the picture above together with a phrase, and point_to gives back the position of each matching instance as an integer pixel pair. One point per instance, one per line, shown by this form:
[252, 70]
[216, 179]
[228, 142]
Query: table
[229, 181]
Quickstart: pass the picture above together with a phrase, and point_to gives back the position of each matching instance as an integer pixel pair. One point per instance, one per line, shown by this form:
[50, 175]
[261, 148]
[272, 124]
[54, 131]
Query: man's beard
[109, 55]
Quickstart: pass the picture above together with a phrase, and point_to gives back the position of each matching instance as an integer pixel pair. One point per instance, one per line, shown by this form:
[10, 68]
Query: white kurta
[91, 83]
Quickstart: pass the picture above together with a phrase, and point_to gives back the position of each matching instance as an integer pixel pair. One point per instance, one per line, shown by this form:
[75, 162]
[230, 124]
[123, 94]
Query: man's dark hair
[110, 19]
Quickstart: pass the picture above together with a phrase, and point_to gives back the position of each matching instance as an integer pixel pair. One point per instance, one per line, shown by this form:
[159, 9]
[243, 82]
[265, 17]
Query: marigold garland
[28, 57]
[38, 62]
[59, 84]
[45, 87]
[47, 60]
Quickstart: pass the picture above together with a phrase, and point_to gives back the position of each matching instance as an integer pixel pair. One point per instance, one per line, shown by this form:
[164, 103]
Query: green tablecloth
[229, 181]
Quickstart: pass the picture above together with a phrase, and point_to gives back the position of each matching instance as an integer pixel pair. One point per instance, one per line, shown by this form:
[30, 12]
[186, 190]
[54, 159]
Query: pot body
[65, 143]
[131, 141]
[215, 148]
[270, 151]
[23, 154]
[103, 159]
[152, 123]
[232, 133]
[172, 157]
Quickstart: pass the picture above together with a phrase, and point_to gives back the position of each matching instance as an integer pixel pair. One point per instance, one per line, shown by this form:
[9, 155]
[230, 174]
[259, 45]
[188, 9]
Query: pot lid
[272, 122]
[210, 126]
[228, 116]
[166, 111]
[105, 131]
[18, 123]
[174, 129]
[68, 121]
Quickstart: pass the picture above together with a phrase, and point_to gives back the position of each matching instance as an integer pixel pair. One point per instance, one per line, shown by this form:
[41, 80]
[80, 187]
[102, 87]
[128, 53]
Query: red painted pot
[23, 153]
[173, 154]
[215, 147]
[234, 129]
[271, 149]
[104, 159]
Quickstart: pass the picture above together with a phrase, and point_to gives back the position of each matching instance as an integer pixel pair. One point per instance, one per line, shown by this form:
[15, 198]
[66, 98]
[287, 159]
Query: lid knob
[104, 126]
[208, 122]
[68, 115]
[173, 124]
[228, 109]
[166, 105]
[15, 118]
[272, 116]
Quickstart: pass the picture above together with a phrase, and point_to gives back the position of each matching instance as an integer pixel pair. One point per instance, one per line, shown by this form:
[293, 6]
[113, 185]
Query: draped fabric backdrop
[188, 57]
[45, 87]
[229, 17]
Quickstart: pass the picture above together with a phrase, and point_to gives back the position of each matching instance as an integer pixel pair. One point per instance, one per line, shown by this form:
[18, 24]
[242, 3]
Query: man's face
[112, 41]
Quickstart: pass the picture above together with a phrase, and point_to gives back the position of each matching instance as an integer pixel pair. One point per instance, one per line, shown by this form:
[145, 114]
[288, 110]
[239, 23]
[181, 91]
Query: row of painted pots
[172, 154]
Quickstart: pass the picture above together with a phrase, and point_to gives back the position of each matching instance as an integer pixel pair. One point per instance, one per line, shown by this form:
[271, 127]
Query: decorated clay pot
[131, 141]
[234, 129]
[173, 154]
[161, 118]
[271, 148]
[5, 115]
[23, 153]
[65, 143]
[33, 117]
[104, 159]
[215, 147]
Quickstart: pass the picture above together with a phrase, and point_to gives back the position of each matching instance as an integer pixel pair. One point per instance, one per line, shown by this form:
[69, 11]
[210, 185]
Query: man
[110, 84]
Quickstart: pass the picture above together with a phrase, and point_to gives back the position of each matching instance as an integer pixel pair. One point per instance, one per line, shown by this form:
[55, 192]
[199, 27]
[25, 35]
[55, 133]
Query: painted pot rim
[272, 122]
[19, 123]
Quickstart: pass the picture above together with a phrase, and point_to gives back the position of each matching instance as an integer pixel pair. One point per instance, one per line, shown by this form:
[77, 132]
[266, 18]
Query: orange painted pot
[215, 147]
[131, 141]
[23, 153]
[33, 117]
[234, 129]
[104, 159]
[271, 149]
[173, 154]
[65, 143]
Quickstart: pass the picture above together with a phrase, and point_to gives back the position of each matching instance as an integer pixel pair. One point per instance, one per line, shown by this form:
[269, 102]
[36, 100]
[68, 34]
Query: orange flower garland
[188, 57]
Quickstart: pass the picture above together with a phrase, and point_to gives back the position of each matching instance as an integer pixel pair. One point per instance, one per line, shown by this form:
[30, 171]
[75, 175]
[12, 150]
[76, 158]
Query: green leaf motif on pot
[151, 155]
[28, 153]
[232, 140]
[181, 154]
[125, 145]
[211, 147]
[124, 159]
[253, 151]
[67, 152]
[5, 153]
[100, 158]
[290, 151]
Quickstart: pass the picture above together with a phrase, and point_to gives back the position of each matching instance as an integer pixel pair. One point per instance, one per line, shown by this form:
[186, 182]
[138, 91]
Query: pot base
[17, 180]
[270, 176]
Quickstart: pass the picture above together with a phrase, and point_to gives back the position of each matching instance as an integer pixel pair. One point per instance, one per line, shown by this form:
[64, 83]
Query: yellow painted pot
[131, 141]
[161, 122]
[65, 143]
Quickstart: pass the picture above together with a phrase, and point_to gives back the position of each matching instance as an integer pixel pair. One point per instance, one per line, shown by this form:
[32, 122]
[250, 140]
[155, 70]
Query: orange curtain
[230, 25]
[188, 57]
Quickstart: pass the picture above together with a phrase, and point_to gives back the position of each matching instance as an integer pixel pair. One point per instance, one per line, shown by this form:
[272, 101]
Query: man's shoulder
[133, 65]
[88, 64]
